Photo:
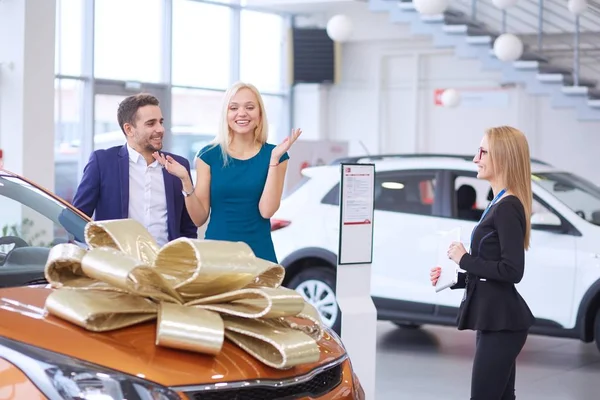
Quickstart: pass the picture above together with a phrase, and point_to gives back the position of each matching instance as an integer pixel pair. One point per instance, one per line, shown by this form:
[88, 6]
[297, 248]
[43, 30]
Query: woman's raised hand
[171, 165]
[285, 145]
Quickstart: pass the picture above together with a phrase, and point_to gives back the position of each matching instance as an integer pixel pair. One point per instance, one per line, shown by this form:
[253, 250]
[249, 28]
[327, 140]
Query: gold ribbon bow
[199, 291]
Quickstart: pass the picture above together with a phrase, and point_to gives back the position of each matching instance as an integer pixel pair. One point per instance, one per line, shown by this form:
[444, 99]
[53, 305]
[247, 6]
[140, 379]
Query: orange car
[47, 353]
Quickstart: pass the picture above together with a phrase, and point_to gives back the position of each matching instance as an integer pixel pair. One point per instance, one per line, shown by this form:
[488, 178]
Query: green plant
[25, 231]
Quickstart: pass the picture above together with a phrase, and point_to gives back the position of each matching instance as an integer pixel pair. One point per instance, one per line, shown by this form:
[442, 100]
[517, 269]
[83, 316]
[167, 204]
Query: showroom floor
[434, 363]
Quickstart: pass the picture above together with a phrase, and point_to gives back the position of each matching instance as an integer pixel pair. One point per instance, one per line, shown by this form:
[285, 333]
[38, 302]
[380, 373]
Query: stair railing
[544, 19]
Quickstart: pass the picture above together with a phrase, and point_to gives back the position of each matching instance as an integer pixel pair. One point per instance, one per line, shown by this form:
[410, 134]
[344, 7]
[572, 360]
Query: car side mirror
[545, 220]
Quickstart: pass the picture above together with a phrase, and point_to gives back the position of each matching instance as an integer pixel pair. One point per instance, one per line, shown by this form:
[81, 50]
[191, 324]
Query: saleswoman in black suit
[491, 304]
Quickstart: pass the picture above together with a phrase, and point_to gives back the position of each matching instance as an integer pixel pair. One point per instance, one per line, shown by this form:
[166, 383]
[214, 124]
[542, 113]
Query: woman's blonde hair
[224, 134]
[509, 156]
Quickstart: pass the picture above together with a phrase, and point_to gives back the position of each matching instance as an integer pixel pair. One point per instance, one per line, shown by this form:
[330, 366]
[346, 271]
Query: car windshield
[31, 222]
[580, 195]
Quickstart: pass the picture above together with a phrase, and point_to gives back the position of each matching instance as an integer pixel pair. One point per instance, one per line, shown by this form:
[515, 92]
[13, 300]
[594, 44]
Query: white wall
[386, 100]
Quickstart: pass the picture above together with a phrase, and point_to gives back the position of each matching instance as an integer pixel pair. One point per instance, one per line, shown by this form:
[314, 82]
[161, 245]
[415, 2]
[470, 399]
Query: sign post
[355, 255]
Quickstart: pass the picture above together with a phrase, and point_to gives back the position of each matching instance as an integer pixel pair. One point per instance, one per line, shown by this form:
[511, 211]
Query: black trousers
[494, 369]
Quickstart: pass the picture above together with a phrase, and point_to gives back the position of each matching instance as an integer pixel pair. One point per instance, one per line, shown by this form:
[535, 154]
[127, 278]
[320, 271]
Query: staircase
[541, 72]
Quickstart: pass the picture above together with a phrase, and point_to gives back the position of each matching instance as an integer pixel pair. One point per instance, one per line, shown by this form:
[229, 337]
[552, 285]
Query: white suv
[416, 197]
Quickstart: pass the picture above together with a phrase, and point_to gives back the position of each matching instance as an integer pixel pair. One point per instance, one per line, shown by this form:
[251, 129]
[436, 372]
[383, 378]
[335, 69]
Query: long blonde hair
[224, 135]
[509, 156]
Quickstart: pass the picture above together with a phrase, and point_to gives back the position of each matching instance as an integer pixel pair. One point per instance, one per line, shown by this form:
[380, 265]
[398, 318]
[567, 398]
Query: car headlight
[60, 377]
[336, 337]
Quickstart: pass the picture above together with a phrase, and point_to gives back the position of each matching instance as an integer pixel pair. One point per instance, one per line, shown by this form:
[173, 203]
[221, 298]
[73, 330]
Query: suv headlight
[63, 378]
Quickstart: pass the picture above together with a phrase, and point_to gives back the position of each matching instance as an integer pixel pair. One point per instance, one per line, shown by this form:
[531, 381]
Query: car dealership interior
[395, 169]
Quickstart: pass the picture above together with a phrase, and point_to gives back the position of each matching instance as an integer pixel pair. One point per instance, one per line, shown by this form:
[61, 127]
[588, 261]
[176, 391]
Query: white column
[27, 103]
[27, 88]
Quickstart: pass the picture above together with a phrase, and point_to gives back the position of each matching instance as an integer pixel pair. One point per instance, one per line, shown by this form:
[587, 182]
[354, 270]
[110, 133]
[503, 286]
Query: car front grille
[318, 385]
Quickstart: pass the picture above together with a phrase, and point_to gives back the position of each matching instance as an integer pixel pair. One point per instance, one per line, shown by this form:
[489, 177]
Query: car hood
[133, 350]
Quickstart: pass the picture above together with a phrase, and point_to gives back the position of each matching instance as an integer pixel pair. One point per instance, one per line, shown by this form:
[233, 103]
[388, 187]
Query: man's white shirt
[147, 198]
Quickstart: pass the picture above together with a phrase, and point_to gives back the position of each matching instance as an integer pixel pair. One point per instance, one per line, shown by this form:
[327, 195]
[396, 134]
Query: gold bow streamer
[199, 291]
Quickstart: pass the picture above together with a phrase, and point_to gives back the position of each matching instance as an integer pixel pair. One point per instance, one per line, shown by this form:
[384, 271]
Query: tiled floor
[434, 363]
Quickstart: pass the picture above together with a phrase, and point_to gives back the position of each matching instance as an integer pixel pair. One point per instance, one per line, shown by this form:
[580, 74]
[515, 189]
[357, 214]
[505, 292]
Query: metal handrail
[510, 22]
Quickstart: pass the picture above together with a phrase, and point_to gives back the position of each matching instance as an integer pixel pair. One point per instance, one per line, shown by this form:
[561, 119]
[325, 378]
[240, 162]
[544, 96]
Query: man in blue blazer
[127, 182]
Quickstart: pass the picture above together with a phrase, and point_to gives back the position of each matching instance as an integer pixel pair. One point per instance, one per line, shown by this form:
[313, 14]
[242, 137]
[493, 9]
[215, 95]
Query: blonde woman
[491, 304]
[240, 176]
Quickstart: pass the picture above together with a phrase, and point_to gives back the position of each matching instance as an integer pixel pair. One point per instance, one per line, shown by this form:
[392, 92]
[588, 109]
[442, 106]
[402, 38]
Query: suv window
[410, 192]
[580, 195]
[472, 196]
[333, 196]
[406, 192]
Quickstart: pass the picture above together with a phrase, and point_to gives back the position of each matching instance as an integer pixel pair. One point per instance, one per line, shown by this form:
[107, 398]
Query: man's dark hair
[128, 108]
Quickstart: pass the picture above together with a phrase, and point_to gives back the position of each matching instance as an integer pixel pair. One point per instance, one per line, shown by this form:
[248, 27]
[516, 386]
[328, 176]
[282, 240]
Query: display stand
[355, 255]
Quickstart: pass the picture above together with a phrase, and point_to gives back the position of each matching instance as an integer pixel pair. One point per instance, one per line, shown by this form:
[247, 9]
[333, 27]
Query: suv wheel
[317, 286]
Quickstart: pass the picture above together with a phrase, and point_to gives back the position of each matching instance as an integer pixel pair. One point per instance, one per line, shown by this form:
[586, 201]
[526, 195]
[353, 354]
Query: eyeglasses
[481, 152]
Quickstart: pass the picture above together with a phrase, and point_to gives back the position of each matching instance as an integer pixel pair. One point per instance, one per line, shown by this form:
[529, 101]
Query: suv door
[551, 253]
[406, 210]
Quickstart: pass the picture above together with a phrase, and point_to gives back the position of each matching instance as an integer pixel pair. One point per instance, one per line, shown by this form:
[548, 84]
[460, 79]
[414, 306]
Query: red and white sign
[477, 97]
[437, 96]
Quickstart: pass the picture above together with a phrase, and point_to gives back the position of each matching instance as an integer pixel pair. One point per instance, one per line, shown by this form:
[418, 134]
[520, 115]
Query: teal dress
[235, 191]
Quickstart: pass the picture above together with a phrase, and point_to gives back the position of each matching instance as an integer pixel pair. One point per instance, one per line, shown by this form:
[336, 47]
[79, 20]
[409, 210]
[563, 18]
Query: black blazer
[495, 265]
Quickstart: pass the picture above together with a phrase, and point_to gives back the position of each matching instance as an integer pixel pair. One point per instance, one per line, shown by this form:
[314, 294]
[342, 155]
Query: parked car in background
[418, 196]
[44, 357]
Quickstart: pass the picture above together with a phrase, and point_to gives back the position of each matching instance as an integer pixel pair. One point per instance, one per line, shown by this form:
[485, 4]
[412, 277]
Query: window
[261, 50]
[68, 114]
[411, 192]
[107, 132]
[471, 197]
[69, 34]
[543, 218]
[333, 196]
[30, 223]
[129, 40]
[274, 107]
[201, 44]
[581, 196]
[196, 114]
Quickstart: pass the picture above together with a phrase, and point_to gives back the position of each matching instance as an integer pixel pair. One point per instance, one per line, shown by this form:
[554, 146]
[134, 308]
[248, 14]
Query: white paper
[358, 195]
[449, 273]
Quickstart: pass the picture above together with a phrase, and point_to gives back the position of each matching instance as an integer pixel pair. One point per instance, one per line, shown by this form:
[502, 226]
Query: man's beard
[151, 148]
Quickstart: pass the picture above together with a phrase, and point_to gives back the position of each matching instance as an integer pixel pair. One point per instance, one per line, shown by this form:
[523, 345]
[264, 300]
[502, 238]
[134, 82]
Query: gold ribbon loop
[207, 268]
[200, 292]
[127, 273]
[271, 277]
[307, 321]
[254, 303]
[95, 310]
[274, 346]
[120, 234]
[188, 328]
[63, 266]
